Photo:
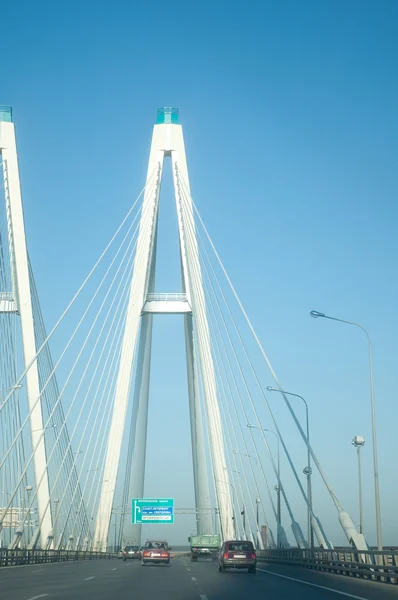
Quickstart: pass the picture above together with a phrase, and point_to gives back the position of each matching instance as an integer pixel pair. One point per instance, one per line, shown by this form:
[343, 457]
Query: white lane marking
[188, 569]
[321, 587]
[193, 578]
[37, 570]
[203, 597]
[88, 578]
[36, 597]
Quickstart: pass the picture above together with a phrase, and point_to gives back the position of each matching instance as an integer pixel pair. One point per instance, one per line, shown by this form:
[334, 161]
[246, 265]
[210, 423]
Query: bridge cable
[21, 428]
[95, 346]
[197, 275]
[222, 354]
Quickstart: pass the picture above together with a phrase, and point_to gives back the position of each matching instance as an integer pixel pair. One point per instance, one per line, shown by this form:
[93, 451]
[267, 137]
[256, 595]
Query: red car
[237, 554]
[156, 553]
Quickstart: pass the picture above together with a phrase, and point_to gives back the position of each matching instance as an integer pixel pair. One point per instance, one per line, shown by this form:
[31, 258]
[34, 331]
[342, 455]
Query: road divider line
[114, 568]
[188, 569]
[193, 578]
[88, 578]
[36, 597]
[316, 585]
[203, 597]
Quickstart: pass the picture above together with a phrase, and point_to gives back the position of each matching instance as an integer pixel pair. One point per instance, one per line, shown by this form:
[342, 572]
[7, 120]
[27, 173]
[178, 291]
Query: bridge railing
[166, 297]
[374, 565]
[21, 556]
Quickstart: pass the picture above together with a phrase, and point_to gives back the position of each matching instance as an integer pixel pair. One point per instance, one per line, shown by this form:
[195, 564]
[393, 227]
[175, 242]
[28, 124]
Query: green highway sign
[152, 510]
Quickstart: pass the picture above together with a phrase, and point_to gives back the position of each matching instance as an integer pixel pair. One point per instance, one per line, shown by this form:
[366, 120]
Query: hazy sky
[290, 118]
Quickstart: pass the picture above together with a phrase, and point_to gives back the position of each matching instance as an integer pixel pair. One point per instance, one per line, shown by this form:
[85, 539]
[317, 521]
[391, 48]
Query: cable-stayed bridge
[66, 416]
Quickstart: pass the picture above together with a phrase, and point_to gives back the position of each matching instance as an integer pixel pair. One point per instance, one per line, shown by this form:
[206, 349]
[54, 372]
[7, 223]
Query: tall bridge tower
[167, 142]
[18, 301]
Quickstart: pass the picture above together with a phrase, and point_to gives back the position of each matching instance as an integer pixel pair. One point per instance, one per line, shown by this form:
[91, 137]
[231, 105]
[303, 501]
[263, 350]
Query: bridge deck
[106, 580]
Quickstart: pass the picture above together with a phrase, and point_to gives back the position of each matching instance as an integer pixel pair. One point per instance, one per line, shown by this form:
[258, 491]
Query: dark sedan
[131, 552]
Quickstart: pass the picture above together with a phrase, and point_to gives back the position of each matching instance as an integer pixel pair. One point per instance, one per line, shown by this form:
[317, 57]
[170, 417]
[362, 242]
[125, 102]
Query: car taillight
[164, 554]
[225, 554]
[253, 556]
[147, 553]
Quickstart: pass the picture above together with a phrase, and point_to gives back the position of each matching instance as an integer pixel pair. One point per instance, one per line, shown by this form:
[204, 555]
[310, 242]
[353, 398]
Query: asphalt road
[183, 580]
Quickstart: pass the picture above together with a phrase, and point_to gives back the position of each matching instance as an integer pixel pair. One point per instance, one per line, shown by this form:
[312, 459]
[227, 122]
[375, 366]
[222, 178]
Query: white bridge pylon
[167, 141]
[21, 304]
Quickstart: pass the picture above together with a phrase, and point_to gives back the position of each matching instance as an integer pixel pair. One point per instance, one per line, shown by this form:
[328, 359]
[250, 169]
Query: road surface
[183, 580]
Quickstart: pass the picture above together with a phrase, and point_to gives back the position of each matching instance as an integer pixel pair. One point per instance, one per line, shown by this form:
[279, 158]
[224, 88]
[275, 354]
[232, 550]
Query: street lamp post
[277, 487]
[121, 510]
[29, 489]
[247, 455]
[358, 442]
[278, 490]
[308, 470]
[228, 483]
[56, 502]
[44, 428]
[316, 314]
[216, 520]
[14, 387]
[257, 516]
[233, 492]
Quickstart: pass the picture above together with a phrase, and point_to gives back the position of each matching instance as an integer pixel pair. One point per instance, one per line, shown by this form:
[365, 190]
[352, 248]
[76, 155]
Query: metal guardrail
[20, 556]
[374, 565]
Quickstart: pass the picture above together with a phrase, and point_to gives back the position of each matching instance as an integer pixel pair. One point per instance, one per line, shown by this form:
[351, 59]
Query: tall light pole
[257, 516]
[307, 471]
[115, 513]
[121, 511]
[243, 514]
[316, 314]
[358, 442]
[278, 491]
[29, 489]
[277, 488]
[233, 495]
[14, 387]
[247, 455]
[56, 502]
[230, 484]
[44, 428]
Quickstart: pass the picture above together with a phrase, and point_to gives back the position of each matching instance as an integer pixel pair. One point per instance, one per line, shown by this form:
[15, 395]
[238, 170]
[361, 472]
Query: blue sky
[290, 118]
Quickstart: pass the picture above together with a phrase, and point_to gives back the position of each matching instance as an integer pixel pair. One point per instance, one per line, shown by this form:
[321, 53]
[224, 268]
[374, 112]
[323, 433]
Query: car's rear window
[131, 548]
[240, 547]
[157, 545]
